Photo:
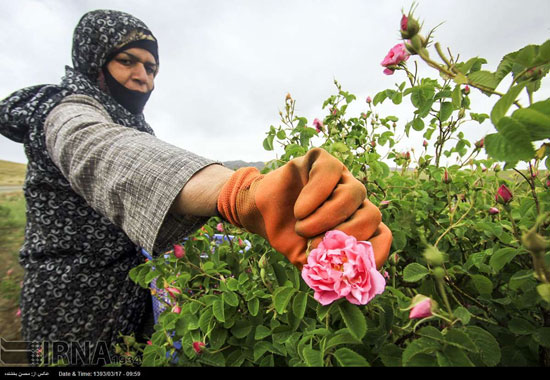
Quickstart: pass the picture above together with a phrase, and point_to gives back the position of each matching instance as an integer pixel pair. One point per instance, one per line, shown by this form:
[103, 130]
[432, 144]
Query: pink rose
[421, 309]
[343, 267]
[219, 227]
[396, 55]
[318, 124]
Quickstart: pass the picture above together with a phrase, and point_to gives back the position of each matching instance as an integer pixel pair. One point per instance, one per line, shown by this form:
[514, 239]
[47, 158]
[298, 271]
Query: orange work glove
[302, 200]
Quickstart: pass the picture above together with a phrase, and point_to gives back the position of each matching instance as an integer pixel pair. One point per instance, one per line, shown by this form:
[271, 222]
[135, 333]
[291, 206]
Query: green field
[12, 173]
[12, 227]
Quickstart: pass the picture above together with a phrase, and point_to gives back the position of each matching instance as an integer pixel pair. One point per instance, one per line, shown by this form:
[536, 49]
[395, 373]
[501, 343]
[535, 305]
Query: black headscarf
[76, 286]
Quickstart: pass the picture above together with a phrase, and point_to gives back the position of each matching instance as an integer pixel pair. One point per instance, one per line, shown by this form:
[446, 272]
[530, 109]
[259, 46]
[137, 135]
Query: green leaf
[281, 135]
[417, 347]
[502, 257]
[342, 336]
[313, 358]
[399, 239]
[536, 123]
[484, 78]
[261, 348]
[379, 98]
[261, 332]
[479, 117]
[543, 56]
[520, 326]
[281, 298]
[483, 285]
[544, 291]
[205, 319]
[218, 310]
[457, 97]
[299, 305]
[463, 314]
[542, 336]
[504, 103]
[349, 358]
[414, 272]
[431, 332]
[232, 284]
[445, 111]
[230, 298]
[339, 147]
[455, 357]
[501, 149]
[460, 340]
[489, 349]
[217, 338]
[390, 355]
[418, 124]
[241, 329]
[268, 142]
[253, 306]
[354, 319]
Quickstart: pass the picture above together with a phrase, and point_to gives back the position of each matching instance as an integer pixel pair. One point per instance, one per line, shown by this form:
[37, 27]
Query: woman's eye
[125, 62]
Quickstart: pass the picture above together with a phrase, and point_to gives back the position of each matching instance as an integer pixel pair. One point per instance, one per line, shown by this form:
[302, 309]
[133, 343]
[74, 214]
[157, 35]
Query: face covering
[133, 101]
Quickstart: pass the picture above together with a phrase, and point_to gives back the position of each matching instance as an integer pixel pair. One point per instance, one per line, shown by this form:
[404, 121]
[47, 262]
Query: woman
[99, 186]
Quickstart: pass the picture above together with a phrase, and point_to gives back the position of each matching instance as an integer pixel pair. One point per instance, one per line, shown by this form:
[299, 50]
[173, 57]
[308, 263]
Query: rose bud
[493, 211]
[446, 178]
[480, 144]
[466, 90]
[173, 291]
[409, 27]
[198, 346]
[369, 100]
[179, 251]
[176, 309]
[503, 195]
[384, 204]
[422, 307]
[425, 144]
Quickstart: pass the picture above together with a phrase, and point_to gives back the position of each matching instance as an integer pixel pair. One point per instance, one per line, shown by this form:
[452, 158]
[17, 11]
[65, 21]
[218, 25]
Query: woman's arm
[131, 177]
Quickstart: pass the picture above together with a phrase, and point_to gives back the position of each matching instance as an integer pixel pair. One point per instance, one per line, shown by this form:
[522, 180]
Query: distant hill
[12, 173]
[241, 164]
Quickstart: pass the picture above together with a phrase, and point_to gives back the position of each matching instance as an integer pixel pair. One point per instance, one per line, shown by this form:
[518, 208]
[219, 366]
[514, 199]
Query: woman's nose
[139, 74]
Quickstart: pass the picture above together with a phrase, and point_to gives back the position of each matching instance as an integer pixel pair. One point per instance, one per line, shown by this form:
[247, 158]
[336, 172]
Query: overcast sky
[227, 65]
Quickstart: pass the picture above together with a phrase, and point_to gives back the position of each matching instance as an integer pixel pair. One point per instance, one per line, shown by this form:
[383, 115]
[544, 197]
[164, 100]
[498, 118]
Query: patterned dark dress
[76, 256]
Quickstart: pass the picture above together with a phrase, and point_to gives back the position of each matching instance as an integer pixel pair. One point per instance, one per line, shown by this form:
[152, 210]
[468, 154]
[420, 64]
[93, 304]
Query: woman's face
[135, 69]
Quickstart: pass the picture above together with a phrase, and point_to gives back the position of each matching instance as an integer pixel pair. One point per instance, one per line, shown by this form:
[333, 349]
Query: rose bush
[467, 281]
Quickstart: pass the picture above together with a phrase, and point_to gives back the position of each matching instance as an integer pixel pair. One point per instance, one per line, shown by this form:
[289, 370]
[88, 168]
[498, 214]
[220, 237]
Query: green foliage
[484, 265]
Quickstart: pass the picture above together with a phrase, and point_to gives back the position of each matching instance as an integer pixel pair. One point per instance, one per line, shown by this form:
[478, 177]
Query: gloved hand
[302, 200]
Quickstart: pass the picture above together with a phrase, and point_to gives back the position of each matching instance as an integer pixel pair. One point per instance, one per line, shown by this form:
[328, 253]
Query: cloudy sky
[227, 65]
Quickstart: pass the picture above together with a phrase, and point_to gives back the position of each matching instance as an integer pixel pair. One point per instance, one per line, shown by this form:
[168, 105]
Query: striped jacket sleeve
[131, 177]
